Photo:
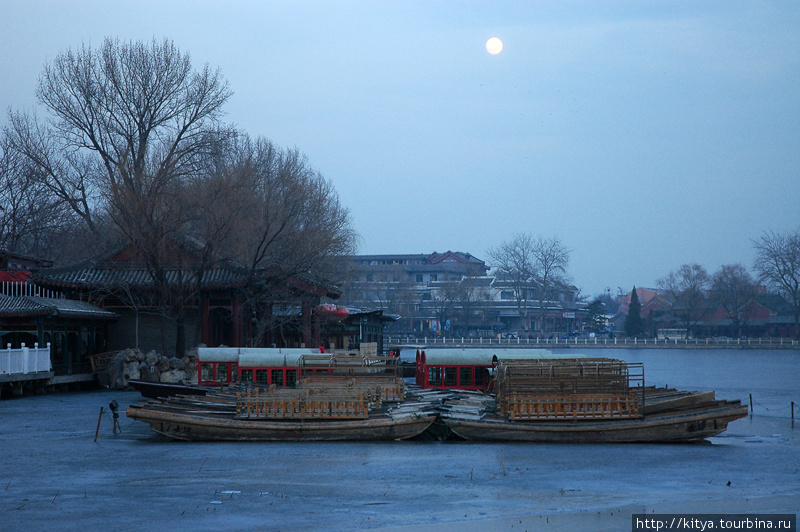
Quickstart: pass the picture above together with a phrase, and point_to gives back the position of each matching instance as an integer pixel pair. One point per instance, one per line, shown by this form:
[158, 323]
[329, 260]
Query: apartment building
[451, 293]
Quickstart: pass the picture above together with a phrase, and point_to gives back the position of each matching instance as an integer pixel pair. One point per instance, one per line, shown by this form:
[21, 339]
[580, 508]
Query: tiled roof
[411, 258]
[124, 276]
[25, 306]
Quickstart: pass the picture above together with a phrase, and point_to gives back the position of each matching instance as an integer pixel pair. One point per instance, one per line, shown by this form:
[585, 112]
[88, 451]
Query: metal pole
[99, 418]
[751, 404]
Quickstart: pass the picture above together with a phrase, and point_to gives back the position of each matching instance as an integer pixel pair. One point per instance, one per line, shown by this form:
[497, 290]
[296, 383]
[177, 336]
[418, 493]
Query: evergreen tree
[633, 321]
[596, 318]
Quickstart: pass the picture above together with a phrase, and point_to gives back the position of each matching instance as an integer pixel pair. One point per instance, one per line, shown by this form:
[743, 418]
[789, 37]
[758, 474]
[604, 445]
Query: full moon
[494, 46]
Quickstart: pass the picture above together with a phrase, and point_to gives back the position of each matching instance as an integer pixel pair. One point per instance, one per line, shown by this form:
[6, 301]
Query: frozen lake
[54, 477]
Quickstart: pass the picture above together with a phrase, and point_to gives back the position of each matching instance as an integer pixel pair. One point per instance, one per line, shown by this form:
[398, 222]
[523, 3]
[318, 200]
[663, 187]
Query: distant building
[646, 296]
[417, 269]
[451, 294]
[762, 315]
[399, 284]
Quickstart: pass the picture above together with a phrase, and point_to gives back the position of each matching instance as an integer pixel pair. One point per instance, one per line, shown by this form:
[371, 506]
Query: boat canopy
[218, 354]
[484, 357]
[255, 356]
[252, 357]
[532, 354]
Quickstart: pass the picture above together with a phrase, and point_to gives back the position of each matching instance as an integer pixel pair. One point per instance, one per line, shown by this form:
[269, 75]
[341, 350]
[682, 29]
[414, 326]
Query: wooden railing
[577, 406]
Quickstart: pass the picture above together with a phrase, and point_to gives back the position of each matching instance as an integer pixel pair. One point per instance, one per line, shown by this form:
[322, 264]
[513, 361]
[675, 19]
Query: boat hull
[190, 427]
[156, 390]
[675, 427]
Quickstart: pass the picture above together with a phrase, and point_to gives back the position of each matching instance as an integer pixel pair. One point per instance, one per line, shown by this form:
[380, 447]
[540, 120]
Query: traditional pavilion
[214, 302]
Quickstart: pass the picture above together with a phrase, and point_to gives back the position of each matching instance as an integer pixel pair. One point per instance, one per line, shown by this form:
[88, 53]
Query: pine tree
[633, 321]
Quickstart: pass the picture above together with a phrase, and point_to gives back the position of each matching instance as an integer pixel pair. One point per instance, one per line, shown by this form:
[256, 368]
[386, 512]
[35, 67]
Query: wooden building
[209, 305]
[73, 329]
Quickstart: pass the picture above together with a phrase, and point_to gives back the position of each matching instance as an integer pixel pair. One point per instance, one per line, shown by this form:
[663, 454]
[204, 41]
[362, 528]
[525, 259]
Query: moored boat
[680, 425]
[154, 390]
[220, 417]
[544, 400]
[589, 400]
[203, 427]
[352, 399]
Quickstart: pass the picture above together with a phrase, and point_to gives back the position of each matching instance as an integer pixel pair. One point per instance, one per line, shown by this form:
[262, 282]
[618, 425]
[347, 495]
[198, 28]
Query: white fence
[731, 343]
[24, 360]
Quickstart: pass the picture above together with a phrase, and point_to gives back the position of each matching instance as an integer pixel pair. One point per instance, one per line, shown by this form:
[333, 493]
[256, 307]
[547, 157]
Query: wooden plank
[677, 402]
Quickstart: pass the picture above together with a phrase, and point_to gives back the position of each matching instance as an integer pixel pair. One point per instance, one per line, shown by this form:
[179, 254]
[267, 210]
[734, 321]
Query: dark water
[771, 376]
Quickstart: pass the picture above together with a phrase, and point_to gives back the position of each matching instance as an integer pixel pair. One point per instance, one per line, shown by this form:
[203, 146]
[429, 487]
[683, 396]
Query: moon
[494, 46]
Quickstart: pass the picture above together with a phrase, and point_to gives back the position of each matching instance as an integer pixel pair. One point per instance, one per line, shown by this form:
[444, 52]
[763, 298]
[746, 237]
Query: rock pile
[132, 364]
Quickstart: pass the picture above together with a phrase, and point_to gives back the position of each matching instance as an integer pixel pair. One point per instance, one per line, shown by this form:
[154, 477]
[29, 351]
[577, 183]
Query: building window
[222, 372]
[434, 376]
[419, 277]
[434, 277]
[465, 376]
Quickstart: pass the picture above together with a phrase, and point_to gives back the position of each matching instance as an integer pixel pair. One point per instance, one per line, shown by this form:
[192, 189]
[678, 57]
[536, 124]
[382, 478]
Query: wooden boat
[154, 390]
[221, 416]
[201, 427]
[691, 423]
[591, 400]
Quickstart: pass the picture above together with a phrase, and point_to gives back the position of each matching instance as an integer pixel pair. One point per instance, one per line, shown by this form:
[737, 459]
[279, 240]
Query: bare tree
[32, 220]
[467, 293]
[732, 287]
[687, 287]
[442, 306]
[69, 174]
[129, 124]
[515, 261]
[778, 265]
[551, 260]
[290, 228]
[534, 266]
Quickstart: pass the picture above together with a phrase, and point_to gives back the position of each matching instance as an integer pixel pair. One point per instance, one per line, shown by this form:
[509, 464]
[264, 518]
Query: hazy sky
[644, 135]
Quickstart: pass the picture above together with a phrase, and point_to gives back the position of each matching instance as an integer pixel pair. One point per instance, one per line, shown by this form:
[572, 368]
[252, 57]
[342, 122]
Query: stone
[130, 371]
[172, 376]
[163, 364]
[149, 372]
[129, 355]
[177, 363]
